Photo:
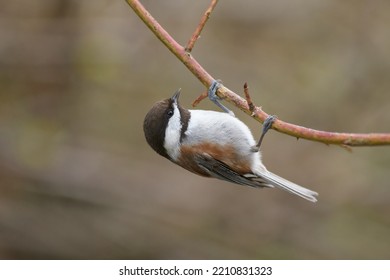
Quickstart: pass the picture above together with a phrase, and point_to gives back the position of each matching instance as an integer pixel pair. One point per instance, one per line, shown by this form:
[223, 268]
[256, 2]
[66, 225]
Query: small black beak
[176, 96]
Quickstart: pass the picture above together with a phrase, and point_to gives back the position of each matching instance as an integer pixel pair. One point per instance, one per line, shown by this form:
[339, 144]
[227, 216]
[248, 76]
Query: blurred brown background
[77, 179]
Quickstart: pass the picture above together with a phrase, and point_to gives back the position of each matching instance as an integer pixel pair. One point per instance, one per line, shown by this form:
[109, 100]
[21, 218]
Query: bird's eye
[170, 113]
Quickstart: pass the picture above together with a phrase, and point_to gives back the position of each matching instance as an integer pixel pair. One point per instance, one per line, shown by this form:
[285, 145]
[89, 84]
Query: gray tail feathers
[291, 187]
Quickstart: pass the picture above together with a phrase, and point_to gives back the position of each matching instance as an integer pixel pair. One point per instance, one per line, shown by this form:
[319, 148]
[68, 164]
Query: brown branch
[202, 96]
[179, 51]
[198, 30]
[249, 99]
[343, 139]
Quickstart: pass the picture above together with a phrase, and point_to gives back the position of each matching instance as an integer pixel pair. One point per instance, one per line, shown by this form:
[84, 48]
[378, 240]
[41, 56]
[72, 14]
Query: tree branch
[198, 30]
[343, 139]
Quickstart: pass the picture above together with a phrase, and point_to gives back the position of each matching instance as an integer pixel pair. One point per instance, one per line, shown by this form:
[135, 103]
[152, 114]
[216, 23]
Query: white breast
[221, 128]
[172, 134]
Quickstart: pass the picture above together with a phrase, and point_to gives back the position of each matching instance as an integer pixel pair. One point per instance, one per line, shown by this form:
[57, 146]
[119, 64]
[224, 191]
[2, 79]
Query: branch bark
[202, 23]
[343, 139]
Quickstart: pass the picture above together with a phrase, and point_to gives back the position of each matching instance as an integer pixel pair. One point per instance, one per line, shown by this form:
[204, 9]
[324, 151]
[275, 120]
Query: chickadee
[211, 144]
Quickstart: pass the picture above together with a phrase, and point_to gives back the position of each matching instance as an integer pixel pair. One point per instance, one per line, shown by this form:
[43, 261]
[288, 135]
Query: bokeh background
[77, 179]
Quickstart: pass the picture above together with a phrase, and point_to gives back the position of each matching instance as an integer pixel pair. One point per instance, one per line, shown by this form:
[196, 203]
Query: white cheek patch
[172, 134]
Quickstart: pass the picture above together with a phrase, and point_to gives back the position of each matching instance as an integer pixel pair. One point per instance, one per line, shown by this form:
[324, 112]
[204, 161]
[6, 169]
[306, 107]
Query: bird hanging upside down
[212, 144]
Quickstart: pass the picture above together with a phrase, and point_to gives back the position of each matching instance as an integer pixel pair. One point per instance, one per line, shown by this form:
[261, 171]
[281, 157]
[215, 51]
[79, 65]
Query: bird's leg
[266, 126]
[215, 99]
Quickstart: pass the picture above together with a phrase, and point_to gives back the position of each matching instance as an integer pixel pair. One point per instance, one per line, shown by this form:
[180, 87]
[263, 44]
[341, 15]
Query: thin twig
[249, 99]
[344, 139]
[202, 96]
[178, 50]
[198, 30]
